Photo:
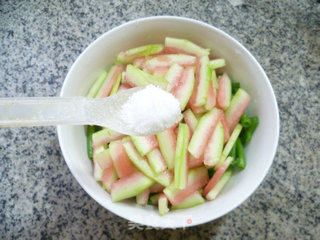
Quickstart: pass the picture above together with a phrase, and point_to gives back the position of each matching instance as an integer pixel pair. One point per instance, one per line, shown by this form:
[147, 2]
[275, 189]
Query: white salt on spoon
[137, 111]
[150, 110]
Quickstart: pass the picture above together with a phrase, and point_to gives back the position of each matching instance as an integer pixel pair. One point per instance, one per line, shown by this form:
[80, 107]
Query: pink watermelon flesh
[197, 178]
[105, 136]
[184, 87]
[181, 156]
[237, 107]
[200, 92]
[172, 50]
[198, 110]
[103, 159]
[141, 163]
[173, 75]
[168, 60]
[121, 161]
[217, 175]
[142, 198]
[192, 100]
[156, 161]
[156, 188]
[123, 87]
[143, 51]
[160, 71]
[139, 62]
[144, 144]
[109, 177]
[194, 162]
[186, 45]
[175, 130]
[224, 92]
[211, 98]
[130, 186]
[225, 127]
[167, 143]
[219, 185]
[203, 132]
[134, 77]
[214, 147]
[109, 81]
[190, 120]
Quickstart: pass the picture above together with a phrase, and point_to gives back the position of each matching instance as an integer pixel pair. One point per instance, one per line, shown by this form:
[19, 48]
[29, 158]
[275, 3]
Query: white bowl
[241, 66]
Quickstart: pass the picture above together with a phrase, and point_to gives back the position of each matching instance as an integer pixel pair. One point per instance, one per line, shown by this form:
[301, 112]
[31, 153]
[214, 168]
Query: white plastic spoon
[71, 111]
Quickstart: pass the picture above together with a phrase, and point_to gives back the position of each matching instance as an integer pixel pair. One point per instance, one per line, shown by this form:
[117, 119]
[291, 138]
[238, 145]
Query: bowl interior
[241, 66]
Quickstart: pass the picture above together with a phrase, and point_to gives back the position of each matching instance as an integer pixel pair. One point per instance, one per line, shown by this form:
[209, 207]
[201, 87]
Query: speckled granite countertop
[39, 41]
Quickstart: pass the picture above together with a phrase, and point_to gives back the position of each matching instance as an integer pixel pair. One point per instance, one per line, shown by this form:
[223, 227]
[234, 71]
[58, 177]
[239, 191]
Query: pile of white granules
[150, 110]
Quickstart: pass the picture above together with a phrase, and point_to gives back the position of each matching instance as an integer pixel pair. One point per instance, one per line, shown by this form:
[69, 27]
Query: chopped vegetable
[120, 159]
[156, 161]
[186, 46]
[184, 87]
[214, 148]
[173, 75]
[217, 63]
[199, 95]
[190, 120]
[224, 92]
[245, 121]
[97, 85]
[218, 187]
[203, 132]
[238, 105]
[197, 178]
[164, 178]
[191, 201]
[247, 134]
[143, 197]
[163, 204]
[90, 131]
[217, 175]
[211, 97]
[129, 55]
[136, 77]
[144, 144]
[167, 143]
[154, 199]
[109, 177]
[116, 85]
[240, 154]
[233, 138]
[235, 86]
[169, 59]
[97, 171]
[109, 81]
[103, 158]
[105, 136]
[130, 186]
[180, 160]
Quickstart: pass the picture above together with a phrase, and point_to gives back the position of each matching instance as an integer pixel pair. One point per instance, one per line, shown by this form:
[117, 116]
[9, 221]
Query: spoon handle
[42, 111]
[50, 111]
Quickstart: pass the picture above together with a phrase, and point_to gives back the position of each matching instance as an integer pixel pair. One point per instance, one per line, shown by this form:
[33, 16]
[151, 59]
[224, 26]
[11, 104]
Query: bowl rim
[213, 28]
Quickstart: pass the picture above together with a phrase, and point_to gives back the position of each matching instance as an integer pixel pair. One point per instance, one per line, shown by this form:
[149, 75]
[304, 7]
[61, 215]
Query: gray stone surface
[39, 41]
